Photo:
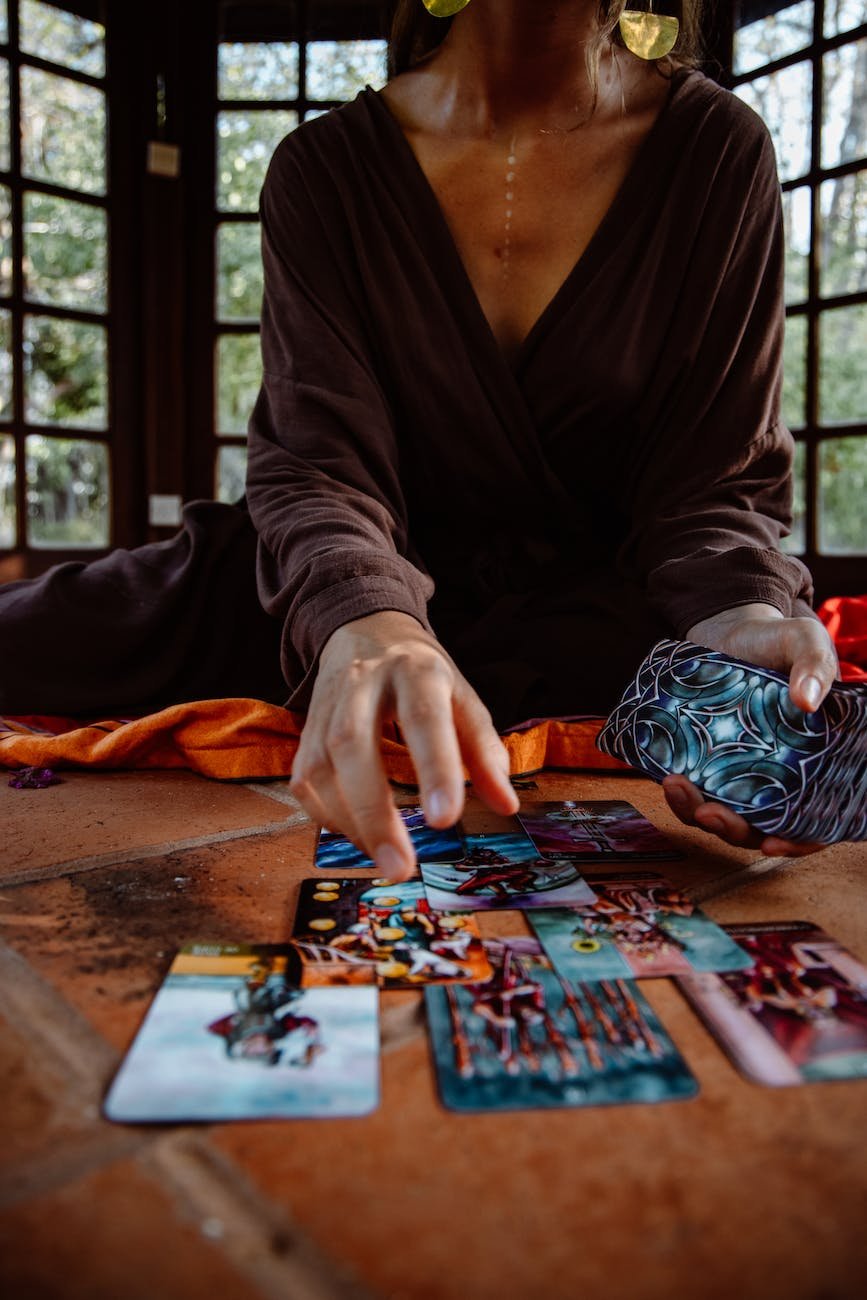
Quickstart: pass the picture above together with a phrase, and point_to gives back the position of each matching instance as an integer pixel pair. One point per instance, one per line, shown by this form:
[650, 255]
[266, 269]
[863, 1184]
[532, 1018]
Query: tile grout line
[255, 1233]
[117, 856]
[716, 888]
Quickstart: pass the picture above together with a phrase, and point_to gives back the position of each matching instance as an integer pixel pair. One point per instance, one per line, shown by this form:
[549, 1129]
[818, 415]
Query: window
[265, 87]
[55, 417]
[803, 66]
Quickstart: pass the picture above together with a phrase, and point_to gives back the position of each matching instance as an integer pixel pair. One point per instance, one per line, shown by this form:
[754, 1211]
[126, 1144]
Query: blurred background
[134, 139]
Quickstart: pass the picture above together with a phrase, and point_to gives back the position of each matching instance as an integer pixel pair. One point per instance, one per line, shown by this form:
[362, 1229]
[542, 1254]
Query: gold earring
[648, 35]
[444, 8]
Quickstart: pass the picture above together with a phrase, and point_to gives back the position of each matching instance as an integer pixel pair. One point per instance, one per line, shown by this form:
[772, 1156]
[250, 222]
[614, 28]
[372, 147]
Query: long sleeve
[712, 491]
[323, 484]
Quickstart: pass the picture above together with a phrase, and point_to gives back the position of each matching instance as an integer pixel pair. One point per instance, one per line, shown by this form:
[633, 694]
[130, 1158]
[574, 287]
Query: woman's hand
[760, 635]
[386, 666]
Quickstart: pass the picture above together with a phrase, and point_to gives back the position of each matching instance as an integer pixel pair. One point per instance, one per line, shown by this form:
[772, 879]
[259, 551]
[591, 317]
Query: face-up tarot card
[502, 871]
[601, 830]
[232, 1035]
[336, 853]
[530, 1038]
[638, 925]
[390, 929]
[798, 1014]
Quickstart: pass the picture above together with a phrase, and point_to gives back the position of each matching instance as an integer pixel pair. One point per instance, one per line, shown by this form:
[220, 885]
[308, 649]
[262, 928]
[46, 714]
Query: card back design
[530, 1038]
[337, 853]
[597, 830]
[637, 926]
[341, 925]
[502, 870]
[732, 729]
[232, 1035]
[797, 1015]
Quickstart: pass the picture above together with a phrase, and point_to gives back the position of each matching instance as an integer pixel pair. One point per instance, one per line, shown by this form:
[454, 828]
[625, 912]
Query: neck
[506, 62]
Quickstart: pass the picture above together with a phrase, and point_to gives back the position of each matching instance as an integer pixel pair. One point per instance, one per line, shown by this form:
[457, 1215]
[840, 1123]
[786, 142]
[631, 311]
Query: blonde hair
[414, 33]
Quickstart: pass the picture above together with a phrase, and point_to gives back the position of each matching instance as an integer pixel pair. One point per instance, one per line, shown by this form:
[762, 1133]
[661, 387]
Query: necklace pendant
[648, 35]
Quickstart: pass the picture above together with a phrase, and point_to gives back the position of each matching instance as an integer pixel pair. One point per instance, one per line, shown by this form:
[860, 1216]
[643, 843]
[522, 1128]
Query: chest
[522, 215]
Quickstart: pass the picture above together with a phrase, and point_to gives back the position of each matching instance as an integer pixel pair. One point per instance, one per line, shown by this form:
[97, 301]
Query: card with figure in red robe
[797, 1015]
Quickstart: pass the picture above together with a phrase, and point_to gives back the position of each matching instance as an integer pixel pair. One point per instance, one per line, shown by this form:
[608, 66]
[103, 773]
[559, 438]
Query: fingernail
[811, 689]
[389, 861]
[439, 806]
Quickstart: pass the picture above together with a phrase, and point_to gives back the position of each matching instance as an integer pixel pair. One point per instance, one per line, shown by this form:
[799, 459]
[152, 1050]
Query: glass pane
[4, 21]
[7, 492]
[842, 372]
[842, 493]
[61, 37]
[5, 241]
[796, 542]
[339, 69]
[5, 365]
[239, 374]
[843, 243]
[231, 474]
[843, 15]
[245, 143]
[261, 70]
[239, 271]
[795, 372]
[784, 100]
[65, 250]
[771, 38]
[67, 492]
[5, 155]
[65, 372]
[797, 217]
[844, 120]
[63, 131]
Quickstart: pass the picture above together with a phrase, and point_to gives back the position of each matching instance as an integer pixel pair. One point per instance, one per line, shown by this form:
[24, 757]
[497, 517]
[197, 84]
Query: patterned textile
[732, 729]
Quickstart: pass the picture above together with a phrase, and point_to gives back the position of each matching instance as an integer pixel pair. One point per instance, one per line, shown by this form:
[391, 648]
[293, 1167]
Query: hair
[414, 33]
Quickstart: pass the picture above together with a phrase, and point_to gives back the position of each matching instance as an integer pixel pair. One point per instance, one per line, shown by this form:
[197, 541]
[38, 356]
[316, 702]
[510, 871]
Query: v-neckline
[581, 267]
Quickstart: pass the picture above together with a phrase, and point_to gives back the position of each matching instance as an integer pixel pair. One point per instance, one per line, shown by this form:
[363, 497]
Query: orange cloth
[246, 740]
[845, 617]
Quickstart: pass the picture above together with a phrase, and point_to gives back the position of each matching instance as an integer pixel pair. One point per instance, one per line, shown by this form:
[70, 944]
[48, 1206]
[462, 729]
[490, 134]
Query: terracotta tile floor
[743, 1192]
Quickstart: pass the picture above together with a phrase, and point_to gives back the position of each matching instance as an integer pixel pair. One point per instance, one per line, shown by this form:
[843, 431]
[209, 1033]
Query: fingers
[484, 753]
[423, 690]
[688, 804]
[813, 660]
[339, 779]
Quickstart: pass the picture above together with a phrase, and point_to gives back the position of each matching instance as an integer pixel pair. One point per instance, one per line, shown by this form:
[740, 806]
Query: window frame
[833, 574]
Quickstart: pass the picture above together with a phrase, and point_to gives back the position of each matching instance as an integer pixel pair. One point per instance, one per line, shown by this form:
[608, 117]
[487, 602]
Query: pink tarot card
[799, 1014]
[597, 830]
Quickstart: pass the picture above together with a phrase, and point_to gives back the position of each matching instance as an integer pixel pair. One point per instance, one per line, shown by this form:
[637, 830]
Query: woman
[520, 417]
[521, 404]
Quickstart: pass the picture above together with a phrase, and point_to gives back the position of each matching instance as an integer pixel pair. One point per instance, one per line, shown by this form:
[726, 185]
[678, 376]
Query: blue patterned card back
[731, 728]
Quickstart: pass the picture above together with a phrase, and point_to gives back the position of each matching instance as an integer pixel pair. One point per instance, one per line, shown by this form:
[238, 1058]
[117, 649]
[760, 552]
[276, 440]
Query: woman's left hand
[760, 635]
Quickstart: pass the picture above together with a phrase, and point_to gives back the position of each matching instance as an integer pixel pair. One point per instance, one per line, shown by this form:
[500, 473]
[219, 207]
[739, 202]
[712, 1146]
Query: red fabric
[845, 617]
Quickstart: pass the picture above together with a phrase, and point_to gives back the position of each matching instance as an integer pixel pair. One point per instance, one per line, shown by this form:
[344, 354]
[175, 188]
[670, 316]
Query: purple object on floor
[33, 778]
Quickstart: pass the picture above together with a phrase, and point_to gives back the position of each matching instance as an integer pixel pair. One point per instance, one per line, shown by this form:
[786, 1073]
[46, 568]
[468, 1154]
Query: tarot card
[502, 871]
[732, 727]
[390, 929]
[232, 1035]
[530, 1038]
[336, 853]
[638, 925]
[600, 830]
[799, 1014]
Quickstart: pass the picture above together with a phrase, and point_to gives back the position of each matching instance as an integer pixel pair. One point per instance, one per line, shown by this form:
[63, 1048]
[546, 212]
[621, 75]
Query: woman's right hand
[378, 668]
